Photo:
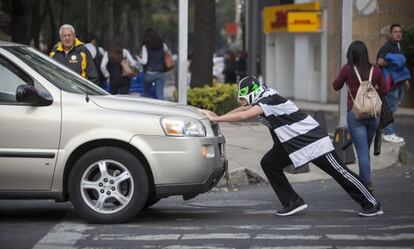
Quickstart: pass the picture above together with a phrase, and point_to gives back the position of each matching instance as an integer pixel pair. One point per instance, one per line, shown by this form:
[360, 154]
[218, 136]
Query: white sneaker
[392, 138]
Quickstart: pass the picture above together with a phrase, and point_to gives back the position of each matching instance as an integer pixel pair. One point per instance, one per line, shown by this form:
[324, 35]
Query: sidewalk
[246, 143]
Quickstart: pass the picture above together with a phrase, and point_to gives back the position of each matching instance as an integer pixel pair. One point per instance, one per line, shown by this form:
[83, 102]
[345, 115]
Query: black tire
[135, 186]
[151, 201]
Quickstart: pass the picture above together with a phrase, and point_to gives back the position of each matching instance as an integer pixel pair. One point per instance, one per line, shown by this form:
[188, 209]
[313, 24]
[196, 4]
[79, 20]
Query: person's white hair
[66, 26]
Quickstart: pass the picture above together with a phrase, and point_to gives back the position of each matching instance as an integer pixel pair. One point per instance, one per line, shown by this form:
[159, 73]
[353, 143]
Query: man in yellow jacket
[72, 53]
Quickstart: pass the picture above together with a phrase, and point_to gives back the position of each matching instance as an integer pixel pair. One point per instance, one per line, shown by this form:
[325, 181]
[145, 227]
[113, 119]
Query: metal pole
[346, 40]
[342, 137]
[252, 31]
[324, 57]
[182, 50]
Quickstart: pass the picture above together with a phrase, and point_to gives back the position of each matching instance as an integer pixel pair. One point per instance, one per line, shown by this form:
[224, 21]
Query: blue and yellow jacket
[78, 59]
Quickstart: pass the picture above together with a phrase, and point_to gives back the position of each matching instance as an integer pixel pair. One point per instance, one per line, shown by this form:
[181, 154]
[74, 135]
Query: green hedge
[219, 98]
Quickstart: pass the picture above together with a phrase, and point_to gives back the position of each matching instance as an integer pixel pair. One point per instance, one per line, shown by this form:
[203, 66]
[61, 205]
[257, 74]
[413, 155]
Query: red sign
[231, 28]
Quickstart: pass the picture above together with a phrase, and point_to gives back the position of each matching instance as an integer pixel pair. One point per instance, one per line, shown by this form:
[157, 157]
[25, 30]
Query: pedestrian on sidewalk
[152, 58]
[392, 61]
[117, 66]
[362, 130]
[298, 139]
[72, 53]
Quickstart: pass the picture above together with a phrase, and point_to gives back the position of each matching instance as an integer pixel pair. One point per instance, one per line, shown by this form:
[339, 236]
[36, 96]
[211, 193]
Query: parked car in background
[64, 138]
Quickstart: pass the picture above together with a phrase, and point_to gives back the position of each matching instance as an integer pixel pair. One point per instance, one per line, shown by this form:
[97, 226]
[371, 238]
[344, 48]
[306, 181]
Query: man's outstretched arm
[240, 115]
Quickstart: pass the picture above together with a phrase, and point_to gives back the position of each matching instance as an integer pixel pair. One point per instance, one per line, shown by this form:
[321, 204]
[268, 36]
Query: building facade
[302, 63]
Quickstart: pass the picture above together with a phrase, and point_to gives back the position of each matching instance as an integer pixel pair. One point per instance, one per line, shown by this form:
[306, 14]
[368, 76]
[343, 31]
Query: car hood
[145, 105]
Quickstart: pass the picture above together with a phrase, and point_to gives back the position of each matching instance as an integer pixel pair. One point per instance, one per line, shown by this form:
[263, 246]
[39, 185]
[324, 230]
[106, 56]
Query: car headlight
[183, 127]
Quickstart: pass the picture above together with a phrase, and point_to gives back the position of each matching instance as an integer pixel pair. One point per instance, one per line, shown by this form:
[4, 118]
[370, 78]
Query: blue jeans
[362, 132]
[394, 99]
[154, 77]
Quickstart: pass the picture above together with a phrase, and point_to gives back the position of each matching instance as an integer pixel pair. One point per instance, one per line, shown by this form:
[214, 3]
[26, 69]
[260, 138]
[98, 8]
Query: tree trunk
[21, 20]
[202, 60]
[53, 26]
[39, 15]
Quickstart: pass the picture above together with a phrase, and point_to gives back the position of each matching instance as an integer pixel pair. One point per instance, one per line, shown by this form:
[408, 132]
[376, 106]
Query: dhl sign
[304, 22]
[303, 17]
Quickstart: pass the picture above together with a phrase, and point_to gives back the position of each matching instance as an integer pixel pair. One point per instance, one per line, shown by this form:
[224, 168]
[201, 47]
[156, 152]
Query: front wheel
[108, 185]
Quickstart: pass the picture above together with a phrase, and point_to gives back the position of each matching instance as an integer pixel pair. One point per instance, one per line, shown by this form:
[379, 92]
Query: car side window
[10, 78]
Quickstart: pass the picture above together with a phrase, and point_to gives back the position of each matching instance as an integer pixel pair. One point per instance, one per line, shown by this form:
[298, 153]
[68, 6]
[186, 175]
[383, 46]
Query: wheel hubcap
[107, 186]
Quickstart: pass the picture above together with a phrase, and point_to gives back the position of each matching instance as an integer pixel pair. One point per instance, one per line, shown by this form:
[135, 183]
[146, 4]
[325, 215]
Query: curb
[392, 155]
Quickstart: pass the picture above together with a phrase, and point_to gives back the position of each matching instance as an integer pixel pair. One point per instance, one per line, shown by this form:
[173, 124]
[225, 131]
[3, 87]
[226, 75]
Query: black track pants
[276, 159]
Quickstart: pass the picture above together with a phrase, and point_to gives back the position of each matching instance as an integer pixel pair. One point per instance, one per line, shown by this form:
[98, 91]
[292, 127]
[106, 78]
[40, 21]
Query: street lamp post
[342, 137]
[182, 50]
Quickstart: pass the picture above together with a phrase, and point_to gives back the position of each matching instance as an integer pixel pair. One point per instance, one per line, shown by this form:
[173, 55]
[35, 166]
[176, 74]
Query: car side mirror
[29, 94]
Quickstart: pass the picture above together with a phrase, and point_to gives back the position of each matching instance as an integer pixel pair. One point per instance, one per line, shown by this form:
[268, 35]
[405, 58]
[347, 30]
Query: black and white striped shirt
[300, 135]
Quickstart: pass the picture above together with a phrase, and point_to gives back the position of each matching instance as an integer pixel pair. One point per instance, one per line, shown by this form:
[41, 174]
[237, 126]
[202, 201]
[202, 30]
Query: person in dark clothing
[229, 70]
[362, 130]
[396, 94]
[241, 65]
[112, 69]
[97, 55]
[298, 139]
[152, 58]
[72, 53]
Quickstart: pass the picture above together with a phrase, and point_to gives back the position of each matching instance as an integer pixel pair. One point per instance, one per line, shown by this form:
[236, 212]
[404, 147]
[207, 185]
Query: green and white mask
[249, 89]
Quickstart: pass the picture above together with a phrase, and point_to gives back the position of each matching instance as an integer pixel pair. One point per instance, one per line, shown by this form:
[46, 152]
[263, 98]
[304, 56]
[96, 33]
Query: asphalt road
[235, 219]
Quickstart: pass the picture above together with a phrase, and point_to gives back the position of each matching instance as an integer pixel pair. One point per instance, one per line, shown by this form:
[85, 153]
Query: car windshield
[57, 74]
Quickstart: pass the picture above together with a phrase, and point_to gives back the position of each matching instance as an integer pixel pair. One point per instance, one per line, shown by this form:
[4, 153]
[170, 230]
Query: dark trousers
[119, 85]
[276, 159]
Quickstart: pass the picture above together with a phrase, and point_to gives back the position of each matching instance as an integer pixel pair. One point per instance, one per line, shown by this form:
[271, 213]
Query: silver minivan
[63, 138]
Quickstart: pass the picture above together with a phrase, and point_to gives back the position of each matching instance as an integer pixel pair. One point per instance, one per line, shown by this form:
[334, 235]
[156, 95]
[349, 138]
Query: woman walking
[152, 58]
[362, 130]
[112, 69]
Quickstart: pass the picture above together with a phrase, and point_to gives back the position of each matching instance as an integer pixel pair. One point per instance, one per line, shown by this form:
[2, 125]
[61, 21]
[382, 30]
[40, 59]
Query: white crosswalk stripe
[67, 234]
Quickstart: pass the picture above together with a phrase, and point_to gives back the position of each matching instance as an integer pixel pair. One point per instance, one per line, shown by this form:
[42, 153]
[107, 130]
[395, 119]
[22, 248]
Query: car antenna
[87, 95]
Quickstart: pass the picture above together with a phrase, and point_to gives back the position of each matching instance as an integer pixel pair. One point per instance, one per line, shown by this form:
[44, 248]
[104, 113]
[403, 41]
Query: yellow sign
[304, 22]
[275, 18]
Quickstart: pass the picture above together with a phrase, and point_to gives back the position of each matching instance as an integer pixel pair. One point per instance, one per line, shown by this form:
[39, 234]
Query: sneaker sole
[300, 208]
[379, 212]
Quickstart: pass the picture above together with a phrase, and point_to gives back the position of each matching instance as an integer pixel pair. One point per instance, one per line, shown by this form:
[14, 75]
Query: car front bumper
[183, 165]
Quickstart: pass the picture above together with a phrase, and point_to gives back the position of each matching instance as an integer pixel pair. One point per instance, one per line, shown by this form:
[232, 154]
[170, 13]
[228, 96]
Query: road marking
[216, 236]
[151, 237]
[394, 227]
[385, 237]
[330, 247]
[66, 234]
[285, 237]
[63, 235]
[292, 227]
[260, 212]
[294, 247]
[373, 247]
[195, 247]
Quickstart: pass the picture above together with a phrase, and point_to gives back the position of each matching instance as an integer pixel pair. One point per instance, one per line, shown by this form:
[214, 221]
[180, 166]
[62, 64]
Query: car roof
[9, 44]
